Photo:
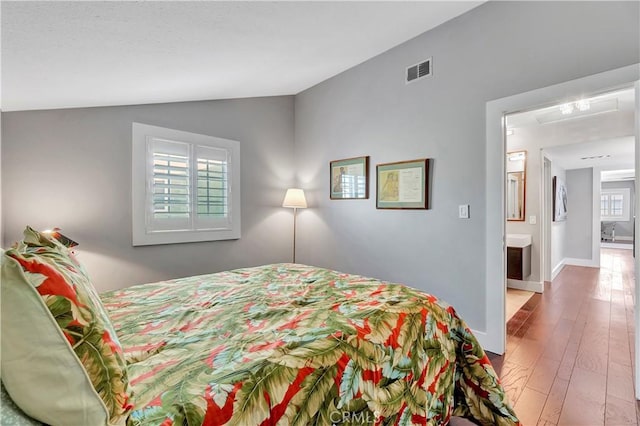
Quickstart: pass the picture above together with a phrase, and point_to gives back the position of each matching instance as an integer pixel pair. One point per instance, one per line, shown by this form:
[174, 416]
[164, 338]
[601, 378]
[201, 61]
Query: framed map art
[349, 178]
[403, 185]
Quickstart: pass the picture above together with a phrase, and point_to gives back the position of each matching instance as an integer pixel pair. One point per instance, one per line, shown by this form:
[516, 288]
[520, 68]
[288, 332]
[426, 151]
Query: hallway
[570, 350]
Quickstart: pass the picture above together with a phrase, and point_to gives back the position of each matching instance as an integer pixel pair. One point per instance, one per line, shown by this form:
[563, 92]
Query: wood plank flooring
[570, 350]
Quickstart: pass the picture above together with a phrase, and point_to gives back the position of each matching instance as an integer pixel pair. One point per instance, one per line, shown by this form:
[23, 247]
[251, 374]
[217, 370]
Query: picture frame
[349, 179]
[403, 185]
[559, 200]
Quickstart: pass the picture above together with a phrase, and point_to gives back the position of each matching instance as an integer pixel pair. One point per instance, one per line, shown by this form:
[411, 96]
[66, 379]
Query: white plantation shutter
[213, 188]
[169, 185]
[190, 186]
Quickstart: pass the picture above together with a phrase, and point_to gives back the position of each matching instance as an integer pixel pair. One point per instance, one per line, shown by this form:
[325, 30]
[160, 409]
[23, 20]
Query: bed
[286, 344]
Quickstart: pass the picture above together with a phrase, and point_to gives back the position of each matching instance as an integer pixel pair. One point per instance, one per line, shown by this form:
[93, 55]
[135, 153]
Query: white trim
[557, 270]
[596, 224]
[537, 286]
[481, 336]
[624, 238]
[637, 243]
[545, 223]
[142, 233]
[495, 272]
[622, 246]
[587, 263]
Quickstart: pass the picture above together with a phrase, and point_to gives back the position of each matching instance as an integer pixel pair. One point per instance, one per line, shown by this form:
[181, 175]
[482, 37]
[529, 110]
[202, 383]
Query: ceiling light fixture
[583, 105]
[566, 109]
[595, 157]
[577, 109]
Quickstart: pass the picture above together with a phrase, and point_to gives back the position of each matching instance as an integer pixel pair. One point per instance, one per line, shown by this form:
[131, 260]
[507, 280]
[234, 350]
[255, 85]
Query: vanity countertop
[518, 240]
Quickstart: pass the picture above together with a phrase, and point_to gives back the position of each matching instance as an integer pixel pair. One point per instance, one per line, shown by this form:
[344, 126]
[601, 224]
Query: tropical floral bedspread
[289, 344]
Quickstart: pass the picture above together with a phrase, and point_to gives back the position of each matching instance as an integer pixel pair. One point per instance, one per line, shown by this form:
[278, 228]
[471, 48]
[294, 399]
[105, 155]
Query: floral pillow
[62, 362]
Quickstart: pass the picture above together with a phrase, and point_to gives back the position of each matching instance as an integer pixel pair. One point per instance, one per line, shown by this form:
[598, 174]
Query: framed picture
[349, 178]
[403, 185]
[559, 200]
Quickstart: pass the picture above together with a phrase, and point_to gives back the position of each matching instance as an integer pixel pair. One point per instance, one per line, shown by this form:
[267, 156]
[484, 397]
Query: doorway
[617, 209]
[561, 150]
[494, 337]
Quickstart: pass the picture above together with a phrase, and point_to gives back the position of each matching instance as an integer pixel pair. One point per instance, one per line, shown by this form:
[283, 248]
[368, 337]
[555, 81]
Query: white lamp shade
[294, 198]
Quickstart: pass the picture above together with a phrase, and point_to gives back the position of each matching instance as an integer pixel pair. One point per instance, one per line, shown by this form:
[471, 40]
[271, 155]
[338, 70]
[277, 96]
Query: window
[186, 187]
[614, 204]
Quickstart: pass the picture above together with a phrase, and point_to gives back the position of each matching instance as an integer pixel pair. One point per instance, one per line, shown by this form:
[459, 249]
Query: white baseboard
[557, 270]
[589, 263]
[623, 246]
[536, 286]
[624, 238]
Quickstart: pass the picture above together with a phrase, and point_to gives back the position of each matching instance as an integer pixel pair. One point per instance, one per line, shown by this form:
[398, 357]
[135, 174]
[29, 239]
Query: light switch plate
[463, 211]
[532, 220]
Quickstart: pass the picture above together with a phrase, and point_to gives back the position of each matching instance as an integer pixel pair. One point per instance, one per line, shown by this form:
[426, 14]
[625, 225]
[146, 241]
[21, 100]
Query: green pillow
[61, 362]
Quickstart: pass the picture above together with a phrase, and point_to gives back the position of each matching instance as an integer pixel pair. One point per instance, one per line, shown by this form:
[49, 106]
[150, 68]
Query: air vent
[418, 71]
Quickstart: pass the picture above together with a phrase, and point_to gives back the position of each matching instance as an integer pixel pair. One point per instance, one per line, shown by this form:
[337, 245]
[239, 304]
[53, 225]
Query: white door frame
[546, 204]
[596, 230]
[494, 338]
[636, 250]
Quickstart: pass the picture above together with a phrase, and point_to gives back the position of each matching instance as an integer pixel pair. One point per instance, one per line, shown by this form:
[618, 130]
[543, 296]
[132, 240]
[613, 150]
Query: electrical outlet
[463, 211]
[532, 220]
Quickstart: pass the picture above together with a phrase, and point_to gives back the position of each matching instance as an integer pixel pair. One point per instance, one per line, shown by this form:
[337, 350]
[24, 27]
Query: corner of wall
[557, 269]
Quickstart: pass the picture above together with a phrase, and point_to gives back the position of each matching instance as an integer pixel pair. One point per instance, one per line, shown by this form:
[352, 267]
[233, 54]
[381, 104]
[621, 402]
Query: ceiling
[607, 154]
[602, 136]
[61, 54]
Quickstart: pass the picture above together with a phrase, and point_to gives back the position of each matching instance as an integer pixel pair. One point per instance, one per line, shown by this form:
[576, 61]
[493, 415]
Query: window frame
[626, 199]
[143, 230]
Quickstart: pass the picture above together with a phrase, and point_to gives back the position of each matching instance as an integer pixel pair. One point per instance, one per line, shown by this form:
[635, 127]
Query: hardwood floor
[570, 350]
[516, 299]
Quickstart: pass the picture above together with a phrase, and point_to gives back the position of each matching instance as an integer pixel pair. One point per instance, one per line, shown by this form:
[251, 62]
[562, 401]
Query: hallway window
[614, 204]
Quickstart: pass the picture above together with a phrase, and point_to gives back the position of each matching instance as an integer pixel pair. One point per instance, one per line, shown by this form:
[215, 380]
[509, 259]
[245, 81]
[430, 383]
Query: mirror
[516, 181]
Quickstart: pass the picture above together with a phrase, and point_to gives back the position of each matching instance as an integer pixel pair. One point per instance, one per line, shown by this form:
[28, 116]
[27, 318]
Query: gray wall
[495, 50]
[579, 231]
[624, 229]
[72, 168]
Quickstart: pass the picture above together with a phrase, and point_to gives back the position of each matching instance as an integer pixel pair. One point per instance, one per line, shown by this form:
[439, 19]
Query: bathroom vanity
[518, 256]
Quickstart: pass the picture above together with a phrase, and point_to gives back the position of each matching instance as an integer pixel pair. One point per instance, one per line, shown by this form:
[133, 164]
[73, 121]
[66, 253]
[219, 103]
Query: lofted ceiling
[601, 136]
[60, 54]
